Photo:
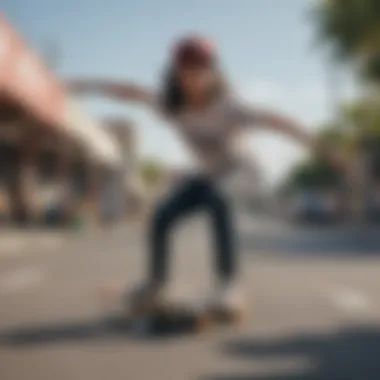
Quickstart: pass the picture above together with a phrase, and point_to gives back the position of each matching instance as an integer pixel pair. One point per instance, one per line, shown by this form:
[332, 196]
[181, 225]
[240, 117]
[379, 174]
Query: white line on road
[351, 301]
[346, 299]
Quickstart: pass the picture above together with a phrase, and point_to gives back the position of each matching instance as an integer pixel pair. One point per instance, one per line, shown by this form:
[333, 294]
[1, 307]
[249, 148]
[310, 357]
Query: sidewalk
[15, 241]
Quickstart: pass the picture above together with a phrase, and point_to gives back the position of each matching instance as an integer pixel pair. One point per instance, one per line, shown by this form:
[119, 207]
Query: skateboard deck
[175, 316]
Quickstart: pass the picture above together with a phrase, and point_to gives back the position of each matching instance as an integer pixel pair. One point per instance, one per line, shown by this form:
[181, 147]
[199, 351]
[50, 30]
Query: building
[131, 191]
[53, 154]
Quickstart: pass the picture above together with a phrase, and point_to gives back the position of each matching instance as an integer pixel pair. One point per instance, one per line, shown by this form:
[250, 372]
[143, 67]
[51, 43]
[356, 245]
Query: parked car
[314, 207]
[373, 208]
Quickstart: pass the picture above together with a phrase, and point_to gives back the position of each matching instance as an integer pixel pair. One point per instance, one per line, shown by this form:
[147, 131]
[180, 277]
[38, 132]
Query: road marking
[351, 301]
[21, 279]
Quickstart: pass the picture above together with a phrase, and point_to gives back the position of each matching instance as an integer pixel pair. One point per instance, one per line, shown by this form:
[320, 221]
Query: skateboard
[175, 316]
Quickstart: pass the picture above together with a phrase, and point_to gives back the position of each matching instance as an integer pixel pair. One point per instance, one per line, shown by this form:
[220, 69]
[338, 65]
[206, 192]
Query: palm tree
[352, 29]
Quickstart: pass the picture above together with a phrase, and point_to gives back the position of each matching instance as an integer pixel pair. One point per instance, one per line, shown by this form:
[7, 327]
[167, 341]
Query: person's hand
[114, 89]
[78, 86]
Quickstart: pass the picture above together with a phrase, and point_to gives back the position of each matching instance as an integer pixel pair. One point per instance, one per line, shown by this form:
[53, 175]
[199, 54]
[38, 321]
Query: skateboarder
[197, 100]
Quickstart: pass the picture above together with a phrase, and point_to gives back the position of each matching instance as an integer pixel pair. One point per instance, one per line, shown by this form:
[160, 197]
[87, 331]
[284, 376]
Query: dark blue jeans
[194, 194]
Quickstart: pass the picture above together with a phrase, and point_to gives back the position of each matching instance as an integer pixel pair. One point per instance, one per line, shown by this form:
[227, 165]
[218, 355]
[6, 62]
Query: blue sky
[267, 48]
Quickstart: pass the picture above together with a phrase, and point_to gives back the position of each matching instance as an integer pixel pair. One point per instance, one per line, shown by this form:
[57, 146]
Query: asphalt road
[314, 302]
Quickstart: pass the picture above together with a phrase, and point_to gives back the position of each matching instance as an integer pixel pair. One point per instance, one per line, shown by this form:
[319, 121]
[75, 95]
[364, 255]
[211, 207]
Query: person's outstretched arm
[273, 121]
[287, 126]
[256, 117]
[126, 92]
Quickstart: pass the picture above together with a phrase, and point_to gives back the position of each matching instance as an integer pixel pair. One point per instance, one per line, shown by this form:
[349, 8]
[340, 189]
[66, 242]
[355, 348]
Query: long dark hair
[173, 96]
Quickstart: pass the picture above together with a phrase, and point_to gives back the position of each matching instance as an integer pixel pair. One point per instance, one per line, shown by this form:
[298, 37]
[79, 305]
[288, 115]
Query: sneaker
[228, 300]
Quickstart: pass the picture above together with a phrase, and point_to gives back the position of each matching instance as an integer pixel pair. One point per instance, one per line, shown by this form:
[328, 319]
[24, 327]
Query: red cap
[195, 51]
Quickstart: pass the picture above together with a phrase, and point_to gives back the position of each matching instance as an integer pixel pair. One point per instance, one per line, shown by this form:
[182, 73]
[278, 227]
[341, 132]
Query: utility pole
[333, 87]
[334, 91]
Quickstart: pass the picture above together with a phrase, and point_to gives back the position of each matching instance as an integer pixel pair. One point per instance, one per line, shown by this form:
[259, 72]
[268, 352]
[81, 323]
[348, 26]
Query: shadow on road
[351, 354]
[107, 329]
[63, 332]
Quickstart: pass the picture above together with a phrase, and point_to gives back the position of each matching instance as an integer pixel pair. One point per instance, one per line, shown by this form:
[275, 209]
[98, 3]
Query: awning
[25, 79]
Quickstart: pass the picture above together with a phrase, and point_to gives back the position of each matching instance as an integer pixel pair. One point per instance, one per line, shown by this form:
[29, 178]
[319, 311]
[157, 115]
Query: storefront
[52, 155]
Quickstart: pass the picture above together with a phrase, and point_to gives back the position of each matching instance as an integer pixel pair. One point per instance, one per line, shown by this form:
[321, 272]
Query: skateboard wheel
[204, 323]
[231, 317]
